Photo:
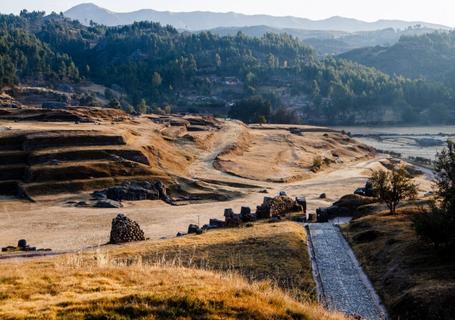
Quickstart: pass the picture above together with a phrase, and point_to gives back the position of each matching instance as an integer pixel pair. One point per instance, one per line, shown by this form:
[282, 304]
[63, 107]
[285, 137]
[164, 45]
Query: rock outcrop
[125, 230]
[135, 191]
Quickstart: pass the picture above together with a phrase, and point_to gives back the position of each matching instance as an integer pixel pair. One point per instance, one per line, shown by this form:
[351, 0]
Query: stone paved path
[341, 282]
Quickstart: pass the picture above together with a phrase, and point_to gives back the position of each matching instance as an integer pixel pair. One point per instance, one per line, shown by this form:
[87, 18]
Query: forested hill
[430, 56]
[205, 72]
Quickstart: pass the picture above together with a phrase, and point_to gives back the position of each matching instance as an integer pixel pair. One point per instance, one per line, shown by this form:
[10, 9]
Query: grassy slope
[148, 280]
[276, 252]
[414, 281]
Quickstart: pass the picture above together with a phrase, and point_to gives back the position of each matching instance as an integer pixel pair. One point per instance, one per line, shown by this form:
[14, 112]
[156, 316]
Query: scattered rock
[231, 219]
[23, 247]
[192, 229]
[353, 201]
[215, 223]
[246, 215]
[22, 244]
[81, 204]
[302, 202]
[125, 230]
[108, 204]
[323, 196]
[322, 215]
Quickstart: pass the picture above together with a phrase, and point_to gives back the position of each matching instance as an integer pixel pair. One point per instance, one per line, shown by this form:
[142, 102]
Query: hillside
[209, 20]
[430, 56]
[102, 284]
[331, 42]
[415, 280]
[150, 66]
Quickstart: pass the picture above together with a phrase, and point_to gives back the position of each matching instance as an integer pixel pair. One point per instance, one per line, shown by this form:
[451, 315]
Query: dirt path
[342, 284]
[226, 138]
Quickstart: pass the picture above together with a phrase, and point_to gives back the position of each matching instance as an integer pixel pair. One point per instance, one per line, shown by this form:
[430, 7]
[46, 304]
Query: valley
[193, 164]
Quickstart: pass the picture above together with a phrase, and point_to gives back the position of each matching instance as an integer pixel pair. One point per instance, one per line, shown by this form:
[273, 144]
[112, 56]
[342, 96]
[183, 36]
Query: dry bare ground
[221, 158]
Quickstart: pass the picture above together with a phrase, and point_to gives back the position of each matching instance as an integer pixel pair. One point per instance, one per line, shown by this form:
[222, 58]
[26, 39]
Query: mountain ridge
[204, 20]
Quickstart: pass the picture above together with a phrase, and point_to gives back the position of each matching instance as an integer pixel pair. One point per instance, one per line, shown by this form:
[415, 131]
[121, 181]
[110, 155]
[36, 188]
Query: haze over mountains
[200, 20]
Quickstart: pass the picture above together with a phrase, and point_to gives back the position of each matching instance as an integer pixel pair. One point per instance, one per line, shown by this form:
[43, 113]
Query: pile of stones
[134, 191]
[125, 230]
[279, 206]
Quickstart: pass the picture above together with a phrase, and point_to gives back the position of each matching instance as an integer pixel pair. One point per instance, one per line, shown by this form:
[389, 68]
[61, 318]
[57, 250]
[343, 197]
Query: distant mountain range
[199, 20]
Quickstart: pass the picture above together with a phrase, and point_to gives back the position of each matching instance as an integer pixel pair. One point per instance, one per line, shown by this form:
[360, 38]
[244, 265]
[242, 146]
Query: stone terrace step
[13, 157]
[73, 139]
[12, 172]
[70, 186]
[84, 170]
[87, 154]
[9, 188]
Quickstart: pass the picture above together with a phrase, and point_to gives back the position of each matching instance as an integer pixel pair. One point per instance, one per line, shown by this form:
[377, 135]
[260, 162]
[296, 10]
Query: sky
[435, 11]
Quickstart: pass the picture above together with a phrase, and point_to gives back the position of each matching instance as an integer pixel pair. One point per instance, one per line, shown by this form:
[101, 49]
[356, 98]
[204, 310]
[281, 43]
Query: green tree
[142, 107]
[438, 225]
[114, 103]
[156, 80]
[393, 186]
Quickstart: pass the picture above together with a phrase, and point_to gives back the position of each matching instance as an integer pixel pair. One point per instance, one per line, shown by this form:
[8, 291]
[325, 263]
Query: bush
[438, 226]
[317, 164]
[434, 226]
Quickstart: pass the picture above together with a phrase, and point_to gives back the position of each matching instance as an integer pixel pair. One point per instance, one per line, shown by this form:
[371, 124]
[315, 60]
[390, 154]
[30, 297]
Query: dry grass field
[261, 272]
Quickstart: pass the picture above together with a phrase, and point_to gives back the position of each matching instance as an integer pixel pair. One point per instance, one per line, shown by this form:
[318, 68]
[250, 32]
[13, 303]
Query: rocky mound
[134, 191]
[125, 230]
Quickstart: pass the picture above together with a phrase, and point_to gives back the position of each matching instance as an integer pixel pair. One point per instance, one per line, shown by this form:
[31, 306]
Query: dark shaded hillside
[23, 55]
[152, 66]
[430, 56]
[331, 42]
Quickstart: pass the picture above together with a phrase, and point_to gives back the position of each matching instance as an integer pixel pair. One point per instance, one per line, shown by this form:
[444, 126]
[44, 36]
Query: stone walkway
[342, 284]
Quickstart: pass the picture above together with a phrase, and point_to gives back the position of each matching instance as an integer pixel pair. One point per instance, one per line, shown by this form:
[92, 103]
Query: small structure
[125, 230]
[22, 246]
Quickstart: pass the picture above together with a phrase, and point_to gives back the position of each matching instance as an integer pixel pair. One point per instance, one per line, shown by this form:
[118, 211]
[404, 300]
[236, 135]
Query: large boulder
[353, 201]
[231, 219]
[125, 230]
[135, 191]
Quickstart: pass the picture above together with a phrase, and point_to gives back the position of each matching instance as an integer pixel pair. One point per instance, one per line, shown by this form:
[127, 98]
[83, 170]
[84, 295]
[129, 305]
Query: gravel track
[342, 284]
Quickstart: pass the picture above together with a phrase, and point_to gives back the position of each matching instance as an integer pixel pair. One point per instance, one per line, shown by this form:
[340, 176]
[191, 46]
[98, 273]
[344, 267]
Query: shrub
[433, 226]
[317, 164]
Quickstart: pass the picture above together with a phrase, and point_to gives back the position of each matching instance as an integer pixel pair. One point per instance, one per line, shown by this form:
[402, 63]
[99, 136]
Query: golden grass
[148, 280]
[276, 252]
[46, 290]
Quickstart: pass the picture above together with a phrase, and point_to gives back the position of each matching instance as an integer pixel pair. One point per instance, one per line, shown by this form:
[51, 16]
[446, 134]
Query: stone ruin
[125, 230]
[271, 208]
[279, 206]
[22, 246]
[134, 191]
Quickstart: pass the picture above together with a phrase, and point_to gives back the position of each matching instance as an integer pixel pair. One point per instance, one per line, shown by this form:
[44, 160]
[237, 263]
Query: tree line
[162, 66]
